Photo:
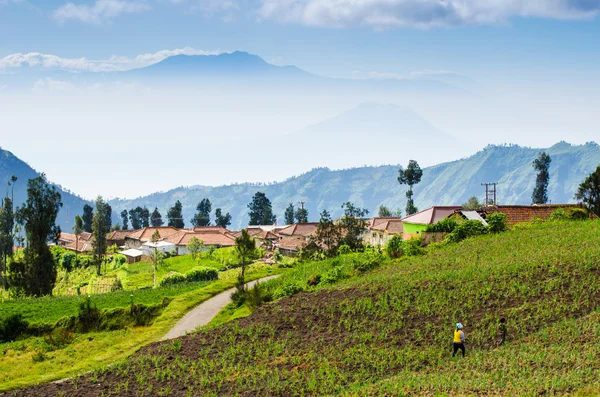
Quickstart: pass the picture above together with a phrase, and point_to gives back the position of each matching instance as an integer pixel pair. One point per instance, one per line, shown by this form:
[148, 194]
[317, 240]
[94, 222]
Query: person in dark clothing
[502, 331]
[459, 340]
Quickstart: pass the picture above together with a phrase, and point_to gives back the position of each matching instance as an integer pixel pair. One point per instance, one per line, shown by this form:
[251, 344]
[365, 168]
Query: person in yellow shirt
[459, 340]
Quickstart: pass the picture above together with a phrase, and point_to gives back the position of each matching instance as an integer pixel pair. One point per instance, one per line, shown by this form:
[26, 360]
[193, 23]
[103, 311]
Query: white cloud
[99, 11]
[52, 85]
[14, 62]
[420, 13]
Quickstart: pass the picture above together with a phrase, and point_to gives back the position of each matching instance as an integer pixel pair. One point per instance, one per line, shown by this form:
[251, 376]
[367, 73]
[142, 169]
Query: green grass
[390, 331]
[95, 350]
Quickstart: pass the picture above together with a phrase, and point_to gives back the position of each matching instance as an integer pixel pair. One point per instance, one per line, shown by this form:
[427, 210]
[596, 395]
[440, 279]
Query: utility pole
[490, 193]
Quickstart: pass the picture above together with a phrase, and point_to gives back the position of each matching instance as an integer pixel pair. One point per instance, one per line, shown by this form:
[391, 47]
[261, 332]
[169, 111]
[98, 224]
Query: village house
[415, 224]
[381, 229]
[82, 243]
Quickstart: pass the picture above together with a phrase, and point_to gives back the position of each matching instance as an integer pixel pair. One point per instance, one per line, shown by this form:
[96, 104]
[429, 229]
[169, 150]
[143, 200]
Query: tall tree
[156, 218]
[353, 225]
[301, 215]
[472, 204]
[410, 176]
[135, 216]
[589, 192]
[222, 220]
[175, 215]
[108, 214]
[383, 211]
[7, 223]
[194, 246]
[288, 215]
[100, 227]
[124, 220]
[261, 211]
[540, 192]
[202, 216]
[36, 275]
[327, 236]
[246, 251]
[77, 230]
[157, 256]
[145, 216]
[88, 216]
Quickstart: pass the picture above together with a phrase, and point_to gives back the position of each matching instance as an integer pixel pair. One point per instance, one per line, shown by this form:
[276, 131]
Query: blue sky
[535, 63]
[504, 41]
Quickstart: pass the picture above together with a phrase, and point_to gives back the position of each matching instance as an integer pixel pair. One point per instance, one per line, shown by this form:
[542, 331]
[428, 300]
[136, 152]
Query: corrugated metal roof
[473, 216]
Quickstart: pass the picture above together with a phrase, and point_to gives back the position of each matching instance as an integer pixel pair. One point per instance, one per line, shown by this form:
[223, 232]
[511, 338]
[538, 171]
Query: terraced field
[389, 331]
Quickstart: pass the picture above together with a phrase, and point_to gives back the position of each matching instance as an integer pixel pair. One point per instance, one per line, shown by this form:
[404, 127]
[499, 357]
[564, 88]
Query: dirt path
[206, 311]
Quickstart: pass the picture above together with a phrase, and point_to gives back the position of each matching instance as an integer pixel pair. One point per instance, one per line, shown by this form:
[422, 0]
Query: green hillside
[390, 331]
[444, 184]
[12, 165]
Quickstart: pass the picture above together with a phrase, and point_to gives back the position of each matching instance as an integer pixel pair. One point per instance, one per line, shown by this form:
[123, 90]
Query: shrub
[172, 278]
[117, 285]
[574, 214]
[254, 296]
[313, 280]
[413, 247]
[344, 249]
[59, 337]
[496, 222]
[288, 290]
[467, 229]
[446, 225]
[366, 264]
[238, 297]
[67, 261]
[202, 274]
[88, 318]
[12, 327]
[395, 246]
[333, 276]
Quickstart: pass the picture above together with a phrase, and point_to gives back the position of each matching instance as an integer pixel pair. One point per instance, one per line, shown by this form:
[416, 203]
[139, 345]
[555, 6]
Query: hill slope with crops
[389, 331]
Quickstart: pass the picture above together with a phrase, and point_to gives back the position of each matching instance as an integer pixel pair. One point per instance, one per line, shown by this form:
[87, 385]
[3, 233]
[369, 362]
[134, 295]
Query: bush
[313, 280]
[446, 225]
[88, 318]
[366, 264]
[333, 276]
[496, 222]
[288, 290]
[12, 327]
[67, 261]
[344, 249]
[202, 274]
[255, 296]
[467, 229]
[574, 214]
[59, 337]
[117, 285]
[172, 278]
[413, 247]
[395, 246]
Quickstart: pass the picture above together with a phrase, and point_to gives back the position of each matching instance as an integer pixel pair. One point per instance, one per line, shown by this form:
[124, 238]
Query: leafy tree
[36, 275]
[100, 227]
[261, 211]
[115, 227]
[145, 216]
[410, 176]
[7, 223]
[77, 230]
[125, 219]
[194, 246]
[353, 225]
[202, 216]
[246, 251]
[156, 218]
[472, 204]
[135, 216]
[222, 220]
[301, 215]
[384, 211]
[107, 211]
[288, 215]
[88, 217]
[589, 192]
[157, 256]
[540, 192]
[175, 215]
[327, 236]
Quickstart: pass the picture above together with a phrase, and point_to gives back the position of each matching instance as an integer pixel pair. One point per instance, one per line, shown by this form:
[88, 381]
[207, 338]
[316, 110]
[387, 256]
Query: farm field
[34, 359]
[389, 330]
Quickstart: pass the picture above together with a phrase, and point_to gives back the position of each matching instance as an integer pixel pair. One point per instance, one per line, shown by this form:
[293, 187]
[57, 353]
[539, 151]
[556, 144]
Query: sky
[536, 63]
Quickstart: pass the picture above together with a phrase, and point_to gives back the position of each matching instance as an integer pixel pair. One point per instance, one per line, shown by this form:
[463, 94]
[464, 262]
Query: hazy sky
[536, 62]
